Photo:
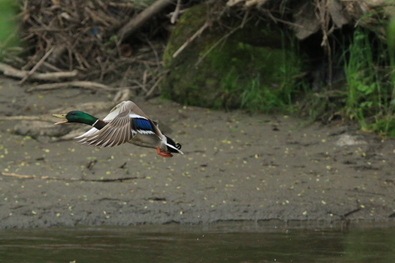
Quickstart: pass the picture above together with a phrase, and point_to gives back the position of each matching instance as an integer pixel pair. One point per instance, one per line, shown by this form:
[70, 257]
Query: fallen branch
[189, 40]
[215, 45]
[37, 65]
[141, 18]
[22, 176]
[21, 74]
[149, 93]
[80, 84]
[93, 107]
[222, 39]
[176, 13]
[46, 118]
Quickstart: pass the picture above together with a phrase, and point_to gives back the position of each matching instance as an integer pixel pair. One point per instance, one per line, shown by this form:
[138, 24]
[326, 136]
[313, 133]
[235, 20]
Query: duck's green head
[76, 116]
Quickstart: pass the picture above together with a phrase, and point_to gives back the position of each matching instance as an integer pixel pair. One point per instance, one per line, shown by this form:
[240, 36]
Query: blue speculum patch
[142, 124]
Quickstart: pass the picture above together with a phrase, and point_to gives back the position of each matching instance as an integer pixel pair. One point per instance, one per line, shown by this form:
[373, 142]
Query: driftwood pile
[75, 42]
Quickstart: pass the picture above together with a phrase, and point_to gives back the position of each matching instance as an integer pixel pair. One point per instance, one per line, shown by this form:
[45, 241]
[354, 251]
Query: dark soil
[236, 167]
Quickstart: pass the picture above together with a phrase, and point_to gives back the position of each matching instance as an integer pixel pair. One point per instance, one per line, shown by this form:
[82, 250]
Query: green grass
[391, 51]
[260, 94]
[368, 96]
[370, 83]
[9, 39]
[256, 97]
[361, 87]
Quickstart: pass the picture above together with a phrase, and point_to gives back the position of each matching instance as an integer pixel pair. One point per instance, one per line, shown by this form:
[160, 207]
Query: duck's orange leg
[163, 154]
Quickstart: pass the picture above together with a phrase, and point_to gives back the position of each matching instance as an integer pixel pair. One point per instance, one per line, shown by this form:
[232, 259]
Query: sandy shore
[236, 167]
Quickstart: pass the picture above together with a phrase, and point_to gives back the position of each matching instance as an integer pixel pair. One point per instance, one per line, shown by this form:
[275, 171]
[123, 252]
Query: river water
[227, 242]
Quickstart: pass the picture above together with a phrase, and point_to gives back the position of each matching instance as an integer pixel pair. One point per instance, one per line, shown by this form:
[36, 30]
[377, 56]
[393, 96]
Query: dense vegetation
[224, 55]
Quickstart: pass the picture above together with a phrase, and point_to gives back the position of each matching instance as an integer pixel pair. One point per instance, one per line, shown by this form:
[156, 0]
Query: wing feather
[116, 132]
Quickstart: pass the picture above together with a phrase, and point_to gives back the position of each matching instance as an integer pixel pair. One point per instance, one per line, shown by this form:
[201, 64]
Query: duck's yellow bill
[61, 116]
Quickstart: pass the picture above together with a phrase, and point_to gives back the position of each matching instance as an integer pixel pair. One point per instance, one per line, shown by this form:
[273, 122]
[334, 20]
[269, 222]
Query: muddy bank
[235, 167]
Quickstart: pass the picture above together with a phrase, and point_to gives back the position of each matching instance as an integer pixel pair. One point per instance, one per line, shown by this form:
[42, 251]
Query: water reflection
[217, 243]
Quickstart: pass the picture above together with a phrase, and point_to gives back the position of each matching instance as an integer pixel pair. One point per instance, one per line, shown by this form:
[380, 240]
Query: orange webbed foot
[163, 154]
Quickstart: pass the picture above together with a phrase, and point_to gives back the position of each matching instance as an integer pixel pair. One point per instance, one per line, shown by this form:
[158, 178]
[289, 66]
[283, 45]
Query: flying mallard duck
[126, 122]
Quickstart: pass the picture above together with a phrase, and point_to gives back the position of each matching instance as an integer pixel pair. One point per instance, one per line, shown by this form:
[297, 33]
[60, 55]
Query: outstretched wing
[116, 132]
